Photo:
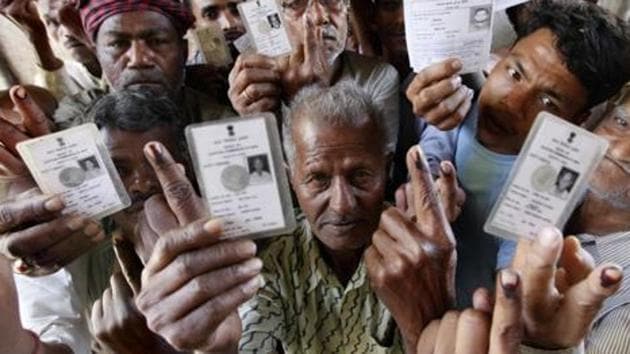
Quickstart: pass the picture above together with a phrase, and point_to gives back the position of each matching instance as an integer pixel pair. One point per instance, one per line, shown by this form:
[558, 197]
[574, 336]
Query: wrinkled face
[339, 177]
[328, 19]
[64, 25]
[221, 13]
[611, 180]
[141, 49]
[390, 25]
[126, 150]
[532, 78]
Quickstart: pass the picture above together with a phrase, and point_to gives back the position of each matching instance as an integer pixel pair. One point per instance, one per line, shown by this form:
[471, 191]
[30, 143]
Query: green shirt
[303, 308]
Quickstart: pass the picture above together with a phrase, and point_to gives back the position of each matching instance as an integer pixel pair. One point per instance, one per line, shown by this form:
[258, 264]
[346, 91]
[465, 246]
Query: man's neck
[343, 263]
[597, 217]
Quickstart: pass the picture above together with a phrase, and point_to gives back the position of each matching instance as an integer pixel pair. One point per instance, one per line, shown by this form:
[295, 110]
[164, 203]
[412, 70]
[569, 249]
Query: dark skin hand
[561, 301]
[34, 229]
[25, 13]
[483, 329]
[119, 326]
[259, 83]
[452, 195]
[193, 281]
[437, 94]
[411, 262]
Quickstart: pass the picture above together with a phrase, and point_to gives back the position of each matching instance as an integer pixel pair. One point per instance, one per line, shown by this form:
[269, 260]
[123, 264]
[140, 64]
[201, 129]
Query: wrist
[27, 342]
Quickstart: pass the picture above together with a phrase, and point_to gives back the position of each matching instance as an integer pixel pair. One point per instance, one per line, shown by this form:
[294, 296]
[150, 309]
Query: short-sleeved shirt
[303, 308]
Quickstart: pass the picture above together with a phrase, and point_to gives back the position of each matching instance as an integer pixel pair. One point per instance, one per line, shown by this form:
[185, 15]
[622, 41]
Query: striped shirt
[611, 329]
[303, 308]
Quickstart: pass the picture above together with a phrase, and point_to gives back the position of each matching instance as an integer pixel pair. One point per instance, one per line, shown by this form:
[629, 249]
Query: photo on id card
[547, 180]
[75, 164]
[239, 167]
[265, 27]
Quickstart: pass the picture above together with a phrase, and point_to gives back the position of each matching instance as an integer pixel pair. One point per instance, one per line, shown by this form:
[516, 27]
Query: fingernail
[419, 162]
[53, 204]
[446, 168]
[548, 237]
[156, 153]
[99, 237]
[471, 92]
[253, 265]
[92, 229]
[253, 285]
[509, 283]
[20, 93]
[610, 276]
[213, 226]
[75, 224]
[456, 64]
[456, 82]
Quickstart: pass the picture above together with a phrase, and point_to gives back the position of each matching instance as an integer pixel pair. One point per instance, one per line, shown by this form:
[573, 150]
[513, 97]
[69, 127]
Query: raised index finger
[177, 189]
[33, 117]
[429, 211]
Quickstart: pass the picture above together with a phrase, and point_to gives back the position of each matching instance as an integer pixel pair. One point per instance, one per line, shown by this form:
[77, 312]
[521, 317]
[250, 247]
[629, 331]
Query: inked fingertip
[154, 151]
[509, 282]
[611, 276]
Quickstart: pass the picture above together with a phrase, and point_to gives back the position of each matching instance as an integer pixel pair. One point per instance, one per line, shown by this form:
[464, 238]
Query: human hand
[411, 262]
[307, 64]
[193, 281]
[451, 194]
[30, 122]
[559, 304]
[119, 326]
[254, 84]
[38, 239]
[437, 95]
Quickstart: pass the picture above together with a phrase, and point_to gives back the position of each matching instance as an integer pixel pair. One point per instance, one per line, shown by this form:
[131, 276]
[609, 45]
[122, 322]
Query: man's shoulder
[369, 67]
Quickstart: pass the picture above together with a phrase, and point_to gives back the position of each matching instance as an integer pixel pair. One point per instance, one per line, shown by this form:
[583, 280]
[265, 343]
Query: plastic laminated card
[547, 180]
[75, 164]
[239, 167]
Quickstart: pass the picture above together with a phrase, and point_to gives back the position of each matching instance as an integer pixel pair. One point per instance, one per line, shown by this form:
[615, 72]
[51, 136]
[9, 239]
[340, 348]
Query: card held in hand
[75, 164]
[239, 167]
[547, 180]
[265, 27]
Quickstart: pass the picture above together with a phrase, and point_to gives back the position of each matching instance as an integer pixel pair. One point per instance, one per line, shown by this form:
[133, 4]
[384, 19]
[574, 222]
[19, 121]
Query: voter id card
[548, 179]
[239, 167]
[265, 27]
[75, 164]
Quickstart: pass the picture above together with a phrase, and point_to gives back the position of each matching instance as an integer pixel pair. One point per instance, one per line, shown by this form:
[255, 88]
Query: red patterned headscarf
[95, 12]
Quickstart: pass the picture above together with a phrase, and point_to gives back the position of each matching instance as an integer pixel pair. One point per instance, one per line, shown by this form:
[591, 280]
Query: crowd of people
[393, 174]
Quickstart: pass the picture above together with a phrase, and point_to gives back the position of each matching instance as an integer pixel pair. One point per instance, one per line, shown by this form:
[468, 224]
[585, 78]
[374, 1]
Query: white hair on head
[342, 105]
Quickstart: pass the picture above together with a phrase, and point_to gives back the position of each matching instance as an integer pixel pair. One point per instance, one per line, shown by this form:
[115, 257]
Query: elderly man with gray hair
[317, 297]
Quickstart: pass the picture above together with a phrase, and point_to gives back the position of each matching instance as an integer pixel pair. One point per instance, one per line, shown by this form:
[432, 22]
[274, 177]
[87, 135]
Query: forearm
[46, 57]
